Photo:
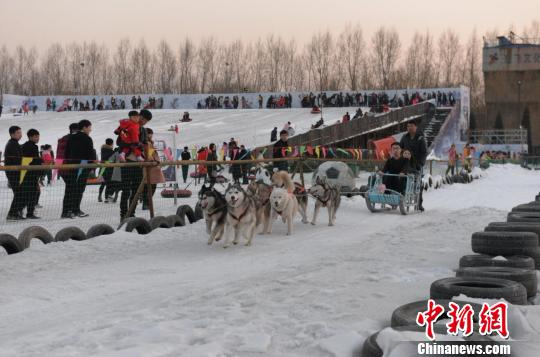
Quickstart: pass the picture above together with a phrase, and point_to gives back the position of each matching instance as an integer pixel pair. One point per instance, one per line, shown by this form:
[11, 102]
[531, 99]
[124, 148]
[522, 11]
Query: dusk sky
[42, 22]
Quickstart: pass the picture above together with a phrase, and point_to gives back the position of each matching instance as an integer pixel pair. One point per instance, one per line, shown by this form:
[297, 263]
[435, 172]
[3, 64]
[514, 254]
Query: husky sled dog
[214, 208]
[260, 191]
[327, 196]
[283, 204]
[241, 215]
[281, 179]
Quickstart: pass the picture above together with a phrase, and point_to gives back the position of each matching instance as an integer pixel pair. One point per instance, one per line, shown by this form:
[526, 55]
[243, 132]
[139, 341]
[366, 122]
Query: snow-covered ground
[319, 292]
[249, 126]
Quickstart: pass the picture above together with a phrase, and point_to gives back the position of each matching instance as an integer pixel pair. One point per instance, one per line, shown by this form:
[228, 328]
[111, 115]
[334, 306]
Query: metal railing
[499, 136]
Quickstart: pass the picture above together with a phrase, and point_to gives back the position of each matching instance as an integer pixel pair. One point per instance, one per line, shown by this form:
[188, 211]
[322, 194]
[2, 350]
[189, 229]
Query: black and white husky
[214, 208]
[241, 215]
[326, 195]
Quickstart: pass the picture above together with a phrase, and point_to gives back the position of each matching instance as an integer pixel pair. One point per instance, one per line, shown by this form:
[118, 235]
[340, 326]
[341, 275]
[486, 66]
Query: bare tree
[449, 54]
[386, 50]
[473, 69]
[122, 70]
[6, 68]
[142, 65]
[166, 67]
[187, 58]
[206, 68]
[320, 54]
[351, 54]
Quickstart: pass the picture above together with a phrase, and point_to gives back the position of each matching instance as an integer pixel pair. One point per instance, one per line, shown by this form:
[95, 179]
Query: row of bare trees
[349, 61]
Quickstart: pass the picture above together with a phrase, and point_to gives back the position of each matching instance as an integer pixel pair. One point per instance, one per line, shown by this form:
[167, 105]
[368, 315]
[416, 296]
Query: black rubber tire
[34, 232]
[487, 288]
[68, 233]
[138, 224]
[405, 315]
[514, 227]
[523, 217]
[526, 277]
[186, 211]
[504, 243]
[535, 255]
[159, 222]
[482, 260]
[199, 214]
[527, 208]
[99, 230]
[176, 221]
[11, 244]
[372, 349]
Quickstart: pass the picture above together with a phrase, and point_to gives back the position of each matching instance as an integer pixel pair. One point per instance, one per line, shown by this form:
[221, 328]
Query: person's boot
[99, 199]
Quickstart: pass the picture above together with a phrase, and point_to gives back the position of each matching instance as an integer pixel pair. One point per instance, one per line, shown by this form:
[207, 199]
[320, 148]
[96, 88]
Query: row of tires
[508, 255]
[437, 181]
[140, 225]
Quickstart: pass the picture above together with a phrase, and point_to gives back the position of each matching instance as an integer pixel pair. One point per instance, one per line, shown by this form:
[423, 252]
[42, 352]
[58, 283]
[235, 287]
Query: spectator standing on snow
[452, 158]
[30, 182]
[12, 157]
[415, 142]
[79, 150]
[61, 155]
[47, 155]
[280, 151]
[185, 156]
[107, 150]
[132, 176]
[212, 169]
[273, 135]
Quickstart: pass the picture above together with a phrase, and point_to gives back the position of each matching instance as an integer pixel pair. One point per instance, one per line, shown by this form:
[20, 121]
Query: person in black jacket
[186, 156]
[273, 135]
[12, 156]
[415, 142]
[279, 151]
[212, 169]
[30, 183]
[80, 149]
[107, 150]
[395, 165]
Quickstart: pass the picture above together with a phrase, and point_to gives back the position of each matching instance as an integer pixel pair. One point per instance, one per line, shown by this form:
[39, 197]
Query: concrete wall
[505, 97]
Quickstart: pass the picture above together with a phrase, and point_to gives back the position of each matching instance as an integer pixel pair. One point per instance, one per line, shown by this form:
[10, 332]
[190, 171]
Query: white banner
[517, 58]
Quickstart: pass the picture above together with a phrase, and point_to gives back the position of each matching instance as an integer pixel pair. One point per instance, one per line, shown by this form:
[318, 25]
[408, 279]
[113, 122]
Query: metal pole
[149, 192]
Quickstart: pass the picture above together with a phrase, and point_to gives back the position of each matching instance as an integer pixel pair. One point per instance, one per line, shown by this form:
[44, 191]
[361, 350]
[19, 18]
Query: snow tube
[176, 221]
[99, 230]
[159, 222]
[68, 233]
[316, 111]
[10, 244]
[179, 193]
[186, 211]
[138, 224]
[34, 232]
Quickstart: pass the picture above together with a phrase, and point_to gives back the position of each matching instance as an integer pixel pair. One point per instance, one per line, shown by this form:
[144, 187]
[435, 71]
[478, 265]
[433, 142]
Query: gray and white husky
[241, 215]
[214, 208]
[261, 192]
[326, 195]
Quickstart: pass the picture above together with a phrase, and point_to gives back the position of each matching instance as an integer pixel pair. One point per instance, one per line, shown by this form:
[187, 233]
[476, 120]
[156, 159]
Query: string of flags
[319, 151]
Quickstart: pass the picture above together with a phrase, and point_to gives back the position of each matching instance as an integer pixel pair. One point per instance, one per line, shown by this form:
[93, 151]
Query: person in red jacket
[128, 137]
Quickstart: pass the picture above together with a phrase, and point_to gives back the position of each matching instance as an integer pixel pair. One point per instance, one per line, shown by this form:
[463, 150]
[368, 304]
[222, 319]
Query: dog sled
[379, 198]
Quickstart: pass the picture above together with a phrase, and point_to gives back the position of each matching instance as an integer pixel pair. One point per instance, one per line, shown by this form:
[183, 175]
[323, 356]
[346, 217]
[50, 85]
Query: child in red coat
[128, 134]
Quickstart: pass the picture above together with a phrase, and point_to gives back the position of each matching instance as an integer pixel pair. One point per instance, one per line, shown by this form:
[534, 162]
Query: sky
[42, 22]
